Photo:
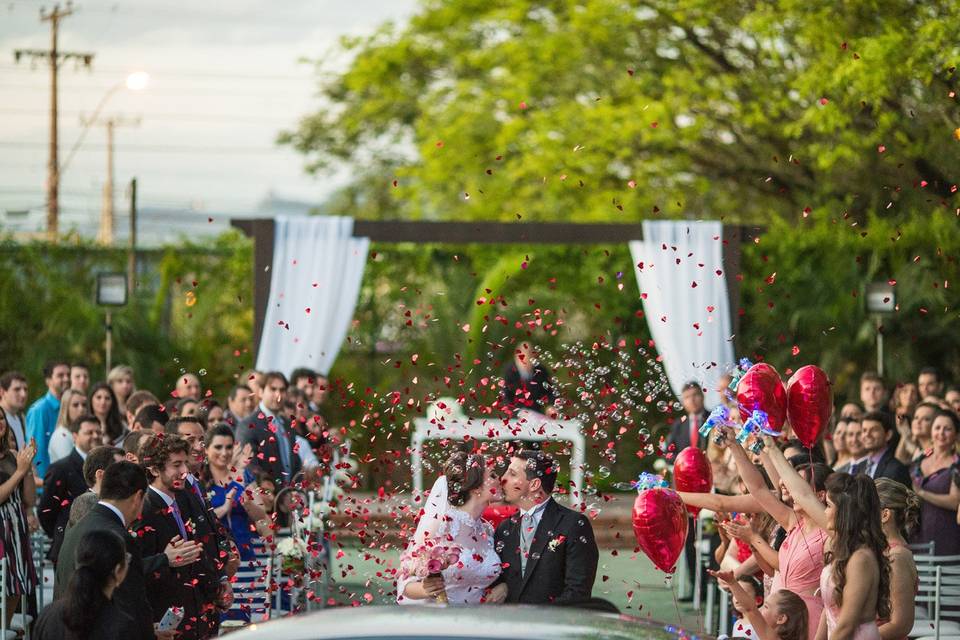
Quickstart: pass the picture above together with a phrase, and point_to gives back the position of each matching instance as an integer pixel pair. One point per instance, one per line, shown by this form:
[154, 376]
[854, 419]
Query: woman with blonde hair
[73, 404]
[899, 517]
[120, 380]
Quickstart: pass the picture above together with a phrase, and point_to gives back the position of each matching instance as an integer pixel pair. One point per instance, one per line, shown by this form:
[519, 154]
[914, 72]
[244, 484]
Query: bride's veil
[434, 513]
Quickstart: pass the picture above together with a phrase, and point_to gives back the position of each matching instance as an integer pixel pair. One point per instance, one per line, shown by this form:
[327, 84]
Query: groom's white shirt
[536, 512]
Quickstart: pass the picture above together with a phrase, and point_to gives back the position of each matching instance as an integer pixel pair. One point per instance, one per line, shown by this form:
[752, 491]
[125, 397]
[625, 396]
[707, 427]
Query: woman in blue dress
[233, 492]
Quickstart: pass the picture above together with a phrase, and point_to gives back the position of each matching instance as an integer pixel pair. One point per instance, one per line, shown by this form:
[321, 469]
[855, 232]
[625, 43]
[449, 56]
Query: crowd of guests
[151, 506]
[814, 542]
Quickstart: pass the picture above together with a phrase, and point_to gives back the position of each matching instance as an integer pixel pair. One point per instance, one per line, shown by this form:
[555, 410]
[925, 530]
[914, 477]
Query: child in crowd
[754, 594]
[782, 617]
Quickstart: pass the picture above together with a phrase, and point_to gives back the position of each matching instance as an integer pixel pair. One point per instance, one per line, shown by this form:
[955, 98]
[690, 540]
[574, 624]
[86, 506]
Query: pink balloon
[660, 526]
[692, 473]
[761, 388]
[809, 403]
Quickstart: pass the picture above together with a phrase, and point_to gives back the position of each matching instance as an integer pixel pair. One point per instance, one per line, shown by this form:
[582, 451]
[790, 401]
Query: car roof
[477, 622]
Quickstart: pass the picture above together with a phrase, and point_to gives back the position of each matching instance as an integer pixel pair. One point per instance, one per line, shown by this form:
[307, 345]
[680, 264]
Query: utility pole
[55, 57]
[105, 235]
[132, 258]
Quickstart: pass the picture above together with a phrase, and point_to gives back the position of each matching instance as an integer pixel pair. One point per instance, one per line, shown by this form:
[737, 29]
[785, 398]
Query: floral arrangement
[293, 552]
[429, 560]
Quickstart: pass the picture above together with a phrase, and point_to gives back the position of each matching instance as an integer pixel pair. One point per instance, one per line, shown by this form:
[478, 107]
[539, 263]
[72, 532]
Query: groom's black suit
[562, 563]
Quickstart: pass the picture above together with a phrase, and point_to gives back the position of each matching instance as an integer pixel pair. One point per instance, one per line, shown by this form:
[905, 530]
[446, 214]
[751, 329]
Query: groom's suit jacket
[562, 563]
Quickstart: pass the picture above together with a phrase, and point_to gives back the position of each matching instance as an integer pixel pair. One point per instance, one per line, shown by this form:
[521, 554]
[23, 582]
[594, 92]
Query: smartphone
[171, 619]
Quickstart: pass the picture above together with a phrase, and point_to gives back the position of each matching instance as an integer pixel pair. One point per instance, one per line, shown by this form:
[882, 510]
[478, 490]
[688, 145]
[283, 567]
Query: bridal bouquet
[293, 552]
[429, 560]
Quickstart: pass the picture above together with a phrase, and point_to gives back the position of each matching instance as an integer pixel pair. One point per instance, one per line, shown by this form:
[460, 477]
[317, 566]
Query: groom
[548, 552]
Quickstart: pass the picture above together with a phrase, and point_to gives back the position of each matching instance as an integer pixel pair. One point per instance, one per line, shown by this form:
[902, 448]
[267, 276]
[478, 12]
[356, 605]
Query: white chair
[922, 548]
[939, 578]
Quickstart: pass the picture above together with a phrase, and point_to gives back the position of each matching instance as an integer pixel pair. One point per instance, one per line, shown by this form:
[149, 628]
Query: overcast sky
[225, 77]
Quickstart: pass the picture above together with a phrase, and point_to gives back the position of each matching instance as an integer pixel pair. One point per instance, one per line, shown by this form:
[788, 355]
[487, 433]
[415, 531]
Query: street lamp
[136, 81]
[111, 292]
[881, 301]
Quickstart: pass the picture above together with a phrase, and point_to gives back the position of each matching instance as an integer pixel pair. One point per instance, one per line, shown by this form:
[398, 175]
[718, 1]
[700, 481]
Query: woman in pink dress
[800, 557]
[855, 579]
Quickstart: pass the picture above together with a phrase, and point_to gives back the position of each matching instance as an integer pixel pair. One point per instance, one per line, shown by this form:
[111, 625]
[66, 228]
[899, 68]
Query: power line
[226, 118]
[188, 73]
[158, 148]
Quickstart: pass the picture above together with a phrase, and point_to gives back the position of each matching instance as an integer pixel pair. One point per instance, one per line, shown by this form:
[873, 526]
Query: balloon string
[668, 581]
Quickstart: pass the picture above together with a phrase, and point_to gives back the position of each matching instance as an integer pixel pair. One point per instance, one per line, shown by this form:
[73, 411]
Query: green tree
[613, 109]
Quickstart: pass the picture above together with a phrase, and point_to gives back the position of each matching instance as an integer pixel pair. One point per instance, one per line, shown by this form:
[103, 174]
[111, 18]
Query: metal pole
[53, 163]
[879, 346]
[109, 345]
[132, 257]
[106, 218]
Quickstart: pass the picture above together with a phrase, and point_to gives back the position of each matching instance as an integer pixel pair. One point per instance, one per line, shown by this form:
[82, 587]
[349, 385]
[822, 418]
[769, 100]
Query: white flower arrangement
[445, 409]
[292, 547]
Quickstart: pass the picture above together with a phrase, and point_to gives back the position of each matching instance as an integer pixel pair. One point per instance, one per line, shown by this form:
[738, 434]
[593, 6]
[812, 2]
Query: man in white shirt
[13, 400]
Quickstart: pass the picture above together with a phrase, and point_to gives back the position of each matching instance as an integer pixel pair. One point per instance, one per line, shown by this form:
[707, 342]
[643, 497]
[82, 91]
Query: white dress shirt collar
[115, 510]
[167, 500]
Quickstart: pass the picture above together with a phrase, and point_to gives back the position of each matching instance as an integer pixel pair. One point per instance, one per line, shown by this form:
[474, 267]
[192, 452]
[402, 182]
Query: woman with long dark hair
[17, 491]
[855, 581]
[104, 405]
[899, 516]
[87, 610]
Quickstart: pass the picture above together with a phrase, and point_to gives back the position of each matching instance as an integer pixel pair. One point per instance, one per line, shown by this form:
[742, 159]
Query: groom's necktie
[526, 537]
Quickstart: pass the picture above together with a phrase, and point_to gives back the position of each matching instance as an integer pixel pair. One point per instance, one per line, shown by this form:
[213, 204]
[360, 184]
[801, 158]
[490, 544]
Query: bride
[451, 518]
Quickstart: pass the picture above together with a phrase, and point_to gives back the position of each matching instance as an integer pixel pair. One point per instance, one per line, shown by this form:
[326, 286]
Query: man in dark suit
[64, 482]
[527, 384]
[270, 434]
[549, 553]
[203, 526]
[877, 433]
[684, 433]
[121, 500]
[164, 457]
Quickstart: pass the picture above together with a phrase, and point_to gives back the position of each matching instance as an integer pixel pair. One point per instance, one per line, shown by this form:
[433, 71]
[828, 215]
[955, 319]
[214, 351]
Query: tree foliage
[614, 109]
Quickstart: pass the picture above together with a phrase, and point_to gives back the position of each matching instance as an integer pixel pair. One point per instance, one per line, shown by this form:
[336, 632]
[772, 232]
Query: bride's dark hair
[464, 474]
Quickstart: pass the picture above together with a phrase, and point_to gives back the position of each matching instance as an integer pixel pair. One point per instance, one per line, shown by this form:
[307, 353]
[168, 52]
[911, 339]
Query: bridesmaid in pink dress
[855, 581]
[801, 554]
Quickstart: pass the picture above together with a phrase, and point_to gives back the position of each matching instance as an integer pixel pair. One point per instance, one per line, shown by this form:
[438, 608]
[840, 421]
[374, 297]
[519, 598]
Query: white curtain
[685, 300]
[317, 265]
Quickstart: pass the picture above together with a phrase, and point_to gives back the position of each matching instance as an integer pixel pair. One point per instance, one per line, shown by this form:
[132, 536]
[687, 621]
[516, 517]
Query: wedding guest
[269, 433]
[240, 404]
[873, 393]
[905, 400]
[854, 444]
[151, 418]
[42, 415]
[916, 439]
[320, 392]
[165, 458]
[133, 442]
[105, 405]
[527, 384]
[725, 476]
[899, 516]
[305, 380]
[17, 493]
[73, 404]
[13, 401]
[64, 482]
[204, 527]
[121, 383]
[80, 377]
[851, 410]
[233, 493]
[313, 441]
[952, 397]
[685, 432]
[839, 441]
[137, 400]
[87, 609]
[801, 556]
[929, 383]
[93, 469]
[188, 386]
[782, 617]
[210, 412]
[187, 407]
[932, 481]
[255, 381]
[877, 434]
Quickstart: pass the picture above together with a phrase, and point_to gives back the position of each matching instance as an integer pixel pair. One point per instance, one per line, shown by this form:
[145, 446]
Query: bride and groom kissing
[544, 554]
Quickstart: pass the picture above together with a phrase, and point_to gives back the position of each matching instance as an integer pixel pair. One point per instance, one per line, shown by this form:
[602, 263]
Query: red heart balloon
[761, 388]
[660, 525]
[809, 403]
[692, 473]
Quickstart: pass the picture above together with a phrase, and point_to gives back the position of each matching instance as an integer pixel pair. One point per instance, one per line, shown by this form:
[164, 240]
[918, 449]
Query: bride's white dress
[479, 563]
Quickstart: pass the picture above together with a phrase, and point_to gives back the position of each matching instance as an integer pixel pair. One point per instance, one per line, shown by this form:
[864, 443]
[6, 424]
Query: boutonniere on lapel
[556, 542]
